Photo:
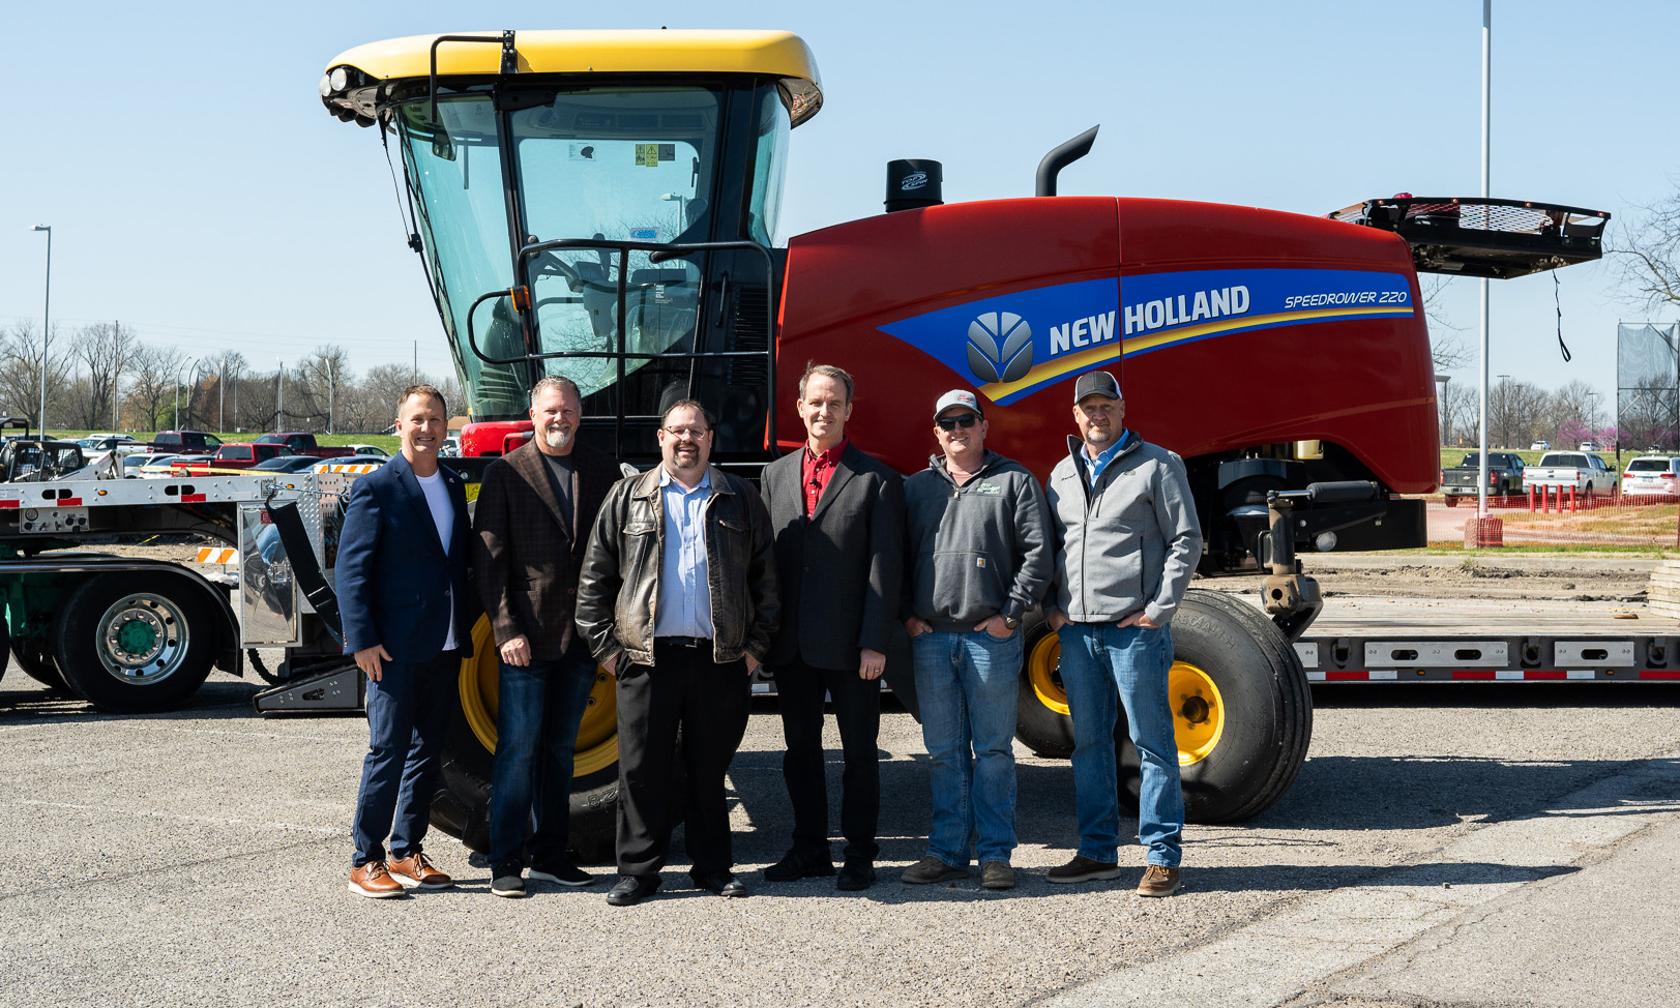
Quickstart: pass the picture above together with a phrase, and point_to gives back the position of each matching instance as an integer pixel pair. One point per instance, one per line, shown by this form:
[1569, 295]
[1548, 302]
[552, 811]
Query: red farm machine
[602, 204]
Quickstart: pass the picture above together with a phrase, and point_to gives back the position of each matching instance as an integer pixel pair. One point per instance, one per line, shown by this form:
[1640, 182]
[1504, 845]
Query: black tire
[1041, 720]
[1263, 702]
[39, 664]
[462, 807]
[136, 642]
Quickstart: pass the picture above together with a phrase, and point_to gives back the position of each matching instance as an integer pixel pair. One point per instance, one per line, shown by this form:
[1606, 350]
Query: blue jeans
[408, 715]
[539, 708]
[1100, 660]
[966, 684]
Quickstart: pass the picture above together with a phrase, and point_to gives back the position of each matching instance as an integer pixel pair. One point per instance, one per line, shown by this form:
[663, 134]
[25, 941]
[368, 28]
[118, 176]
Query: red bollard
[1531, 498]
[1574, 505]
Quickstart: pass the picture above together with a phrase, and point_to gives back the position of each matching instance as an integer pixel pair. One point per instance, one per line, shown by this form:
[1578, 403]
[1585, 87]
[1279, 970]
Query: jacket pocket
[957, 585]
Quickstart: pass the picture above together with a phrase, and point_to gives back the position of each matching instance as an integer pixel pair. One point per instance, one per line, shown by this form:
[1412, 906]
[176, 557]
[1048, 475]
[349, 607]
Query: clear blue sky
[199, 191]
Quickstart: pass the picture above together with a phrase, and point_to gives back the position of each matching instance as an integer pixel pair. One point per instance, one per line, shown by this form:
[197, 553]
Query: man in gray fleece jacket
[979, 559]
[1127, 541]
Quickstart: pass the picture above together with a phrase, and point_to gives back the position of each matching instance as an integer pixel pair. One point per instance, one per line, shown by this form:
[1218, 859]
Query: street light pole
[46, 330]
[1487, 109]
[1504, 410]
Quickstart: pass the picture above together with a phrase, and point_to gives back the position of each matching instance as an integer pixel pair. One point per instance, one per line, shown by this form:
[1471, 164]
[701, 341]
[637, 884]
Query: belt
[684, 642]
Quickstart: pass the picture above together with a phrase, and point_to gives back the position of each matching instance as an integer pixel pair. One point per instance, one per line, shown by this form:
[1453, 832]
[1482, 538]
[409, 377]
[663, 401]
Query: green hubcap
[136, 637]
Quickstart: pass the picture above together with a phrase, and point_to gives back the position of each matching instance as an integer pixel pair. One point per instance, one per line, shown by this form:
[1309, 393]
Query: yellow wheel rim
[1042, 672]
[1198, 709]
[597, 741]
[1198, 712]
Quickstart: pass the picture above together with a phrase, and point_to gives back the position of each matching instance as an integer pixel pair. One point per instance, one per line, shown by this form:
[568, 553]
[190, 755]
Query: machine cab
[595, 204]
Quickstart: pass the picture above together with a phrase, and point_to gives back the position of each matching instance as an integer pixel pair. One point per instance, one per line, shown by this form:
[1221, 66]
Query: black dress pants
[683, 689]
[857, 708]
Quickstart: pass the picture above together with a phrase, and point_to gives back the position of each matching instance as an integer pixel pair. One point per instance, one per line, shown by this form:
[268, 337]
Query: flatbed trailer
[1385, 640]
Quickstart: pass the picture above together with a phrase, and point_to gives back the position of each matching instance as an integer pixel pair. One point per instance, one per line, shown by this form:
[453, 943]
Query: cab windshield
[636, 163]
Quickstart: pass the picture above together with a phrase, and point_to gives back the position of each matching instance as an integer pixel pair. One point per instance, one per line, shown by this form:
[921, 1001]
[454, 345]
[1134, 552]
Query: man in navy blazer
[408, 612]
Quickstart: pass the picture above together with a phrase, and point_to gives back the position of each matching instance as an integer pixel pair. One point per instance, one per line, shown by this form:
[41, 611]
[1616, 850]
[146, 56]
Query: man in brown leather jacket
[678, 599]
[535, 508]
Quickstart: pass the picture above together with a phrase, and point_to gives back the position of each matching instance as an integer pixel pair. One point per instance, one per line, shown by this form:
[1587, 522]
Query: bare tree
[1648, 254]
[1446, 350]
[1460, 408]
[21, 356]
[152, 382]
[104, 350]
[321, 380]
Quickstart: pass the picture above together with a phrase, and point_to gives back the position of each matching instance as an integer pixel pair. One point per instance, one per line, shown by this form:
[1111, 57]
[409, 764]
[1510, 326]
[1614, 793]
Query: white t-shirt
[443, 515]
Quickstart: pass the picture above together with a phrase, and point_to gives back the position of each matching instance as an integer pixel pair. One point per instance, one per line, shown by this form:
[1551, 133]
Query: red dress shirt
[816, 470]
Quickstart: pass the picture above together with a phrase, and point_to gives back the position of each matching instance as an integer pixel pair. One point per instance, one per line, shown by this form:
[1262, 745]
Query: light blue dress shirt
[685, 601]
[1094, 467]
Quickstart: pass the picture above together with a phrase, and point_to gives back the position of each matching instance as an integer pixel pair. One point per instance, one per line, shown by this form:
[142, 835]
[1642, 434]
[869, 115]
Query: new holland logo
[999, 347]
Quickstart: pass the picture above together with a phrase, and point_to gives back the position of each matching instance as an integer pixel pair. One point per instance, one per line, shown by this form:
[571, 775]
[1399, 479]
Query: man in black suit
[407, 612]
[535, 509]
[838, 517]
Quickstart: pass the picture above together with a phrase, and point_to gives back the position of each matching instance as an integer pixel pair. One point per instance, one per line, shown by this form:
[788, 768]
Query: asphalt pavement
[1444, 845]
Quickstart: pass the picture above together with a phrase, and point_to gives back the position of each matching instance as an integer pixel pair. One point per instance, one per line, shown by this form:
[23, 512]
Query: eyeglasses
[963, 420]
[697, 433]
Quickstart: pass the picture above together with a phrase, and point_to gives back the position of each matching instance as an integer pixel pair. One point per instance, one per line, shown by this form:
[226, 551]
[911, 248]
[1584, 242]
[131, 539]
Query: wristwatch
[1012, 622]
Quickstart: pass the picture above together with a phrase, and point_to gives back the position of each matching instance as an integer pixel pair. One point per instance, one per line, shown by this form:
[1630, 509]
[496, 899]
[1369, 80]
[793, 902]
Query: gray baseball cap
[1096, 383]
[958, 397]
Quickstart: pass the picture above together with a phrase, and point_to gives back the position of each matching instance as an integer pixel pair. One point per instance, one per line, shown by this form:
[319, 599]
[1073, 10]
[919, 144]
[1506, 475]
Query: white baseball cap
[958, 397]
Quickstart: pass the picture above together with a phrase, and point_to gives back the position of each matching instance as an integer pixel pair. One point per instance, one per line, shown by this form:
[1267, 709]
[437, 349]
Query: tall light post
[1445, 418]
[1504, 410]
[178, 374]
[1482, 284]
[1592, 415]
[46, 330]
[682, 207]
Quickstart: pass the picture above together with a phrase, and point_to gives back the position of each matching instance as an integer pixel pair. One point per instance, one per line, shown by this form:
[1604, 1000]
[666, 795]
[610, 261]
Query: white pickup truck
[1587, 473]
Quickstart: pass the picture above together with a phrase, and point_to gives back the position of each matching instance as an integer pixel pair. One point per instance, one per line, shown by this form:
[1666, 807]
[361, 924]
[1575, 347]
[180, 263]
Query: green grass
[1451, 457]
[389, 442]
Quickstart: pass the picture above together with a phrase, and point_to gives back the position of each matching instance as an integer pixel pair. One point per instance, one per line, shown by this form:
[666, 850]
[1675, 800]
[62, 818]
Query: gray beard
[557, 438]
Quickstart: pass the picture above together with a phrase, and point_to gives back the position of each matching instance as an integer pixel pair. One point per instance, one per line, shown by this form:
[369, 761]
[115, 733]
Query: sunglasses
[963, 420]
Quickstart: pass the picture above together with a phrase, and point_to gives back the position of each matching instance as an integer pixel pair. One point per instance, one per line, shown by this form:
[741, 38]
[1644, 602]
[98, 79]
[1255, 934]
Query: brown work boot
[417, 872]
[1158, 880]
[374, 881]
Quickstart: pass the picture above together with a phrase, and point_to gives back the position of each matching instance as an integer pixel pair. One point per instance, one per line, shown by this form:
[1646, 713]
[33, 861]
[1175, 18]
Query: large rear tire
[136, 642]
[38, 663]
[1242, 711]
[462, 808]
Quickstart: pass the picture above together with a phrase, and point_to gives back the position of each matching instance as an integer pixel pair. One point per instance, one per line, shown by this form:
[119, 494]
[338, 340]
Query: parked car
[451, 446]
[1540, 446]
[95, 443]
[237, 456]
[182, 465]
[368, 449]
[1505, 476]
[186, 441]
[285, 463]
[1589, 446]
[131, 464]
[303, 443]
[1588, 474]
[1652, 475]
[156, 464]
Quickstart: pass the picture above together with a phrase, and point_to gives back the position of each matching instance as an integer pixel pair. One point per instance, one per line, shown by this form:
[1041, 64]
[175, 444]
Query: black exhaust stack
[1061, 157]
[914, 183]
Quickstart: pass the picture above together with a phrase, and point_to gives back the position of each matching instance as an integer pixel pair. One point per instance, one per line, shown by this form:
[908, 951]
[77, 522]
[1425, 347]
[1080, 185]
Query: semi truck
[602, 204]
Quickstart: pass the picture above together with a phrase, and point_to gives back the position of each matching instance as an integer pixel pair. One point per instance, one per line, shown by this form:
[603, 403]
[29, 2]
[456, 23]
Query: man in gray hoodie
[1127, 541]
[979, 560]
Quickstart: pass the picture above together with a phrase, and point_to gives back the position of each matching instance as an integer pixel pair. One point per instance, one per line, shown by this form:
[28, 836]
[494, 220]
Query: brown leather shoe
[417, 872]
[374, 881]
[1158, 880]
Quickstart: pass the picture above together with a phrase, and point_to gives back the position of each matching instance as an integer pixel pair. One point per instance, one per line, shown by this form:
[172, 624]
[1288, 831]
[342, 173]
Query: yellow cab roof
[778, 54]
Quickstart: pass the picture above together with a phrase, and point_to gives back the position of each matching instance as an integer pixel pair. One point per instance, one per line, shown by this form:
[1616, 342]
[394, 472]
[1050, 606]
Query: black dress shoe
[724, 884]
[631, 890]
[793, 867]
[856, 876]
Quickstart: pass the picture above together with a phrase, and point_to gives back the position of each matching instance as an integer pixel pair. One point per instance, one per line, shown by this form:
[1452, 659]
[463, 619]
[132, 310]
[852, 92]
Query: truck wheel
[1041, 711]
[1452, 501]
[133, 642]
[38, 664]
[462, 808]
[1242, 711]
